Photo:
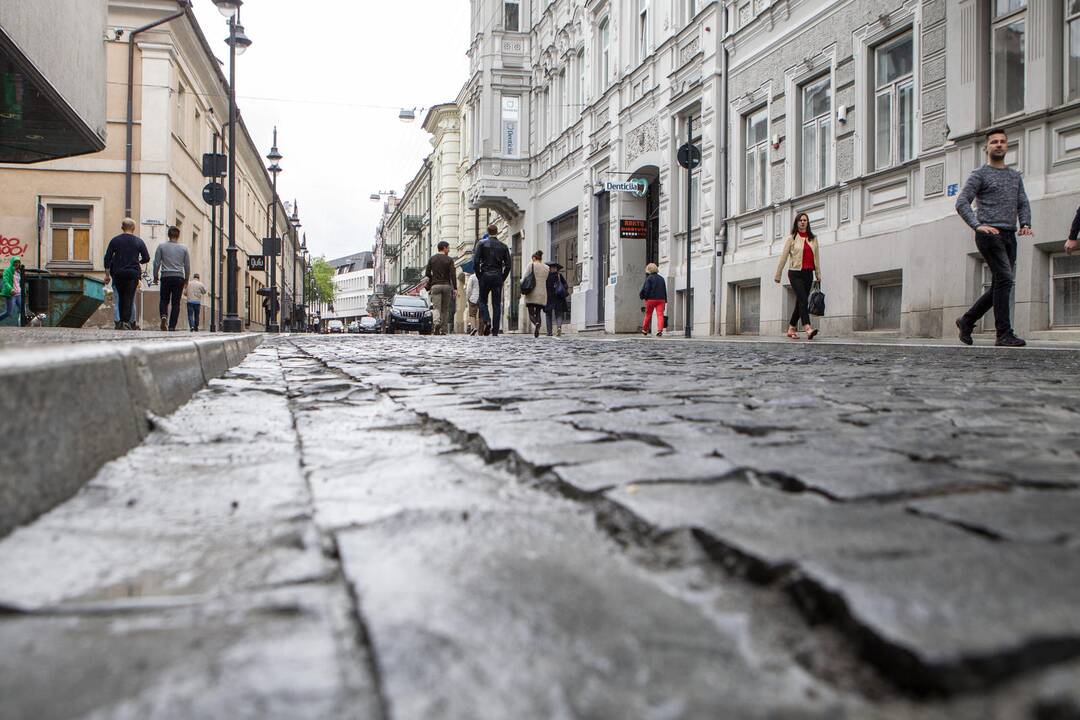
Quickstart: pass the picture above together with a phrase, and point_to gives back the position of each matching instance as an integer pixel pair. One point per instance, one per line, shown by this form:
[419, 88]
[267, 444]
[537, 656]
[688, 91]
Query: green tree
[320, 287]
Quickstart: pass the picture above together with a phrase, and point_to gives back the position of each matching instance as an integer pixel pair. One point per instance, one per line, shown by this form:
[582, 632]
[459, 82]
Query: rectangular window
[816, 135]
[756, 134]
[511, 108]
[1072, 56]
[643, 29]
[69, 229]
[580, 99]
[181, 112]
[748, 309]
[894, 102]
[512, 15]
[1007, 54]
[563, 100]
[691, 9]
[605, 53]
[1065, 293]
[885, 306]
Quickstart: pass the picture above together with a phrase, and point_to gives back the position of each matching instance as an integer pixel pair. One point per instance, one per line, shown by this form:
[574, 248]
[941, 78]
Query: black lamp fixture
[275, 168]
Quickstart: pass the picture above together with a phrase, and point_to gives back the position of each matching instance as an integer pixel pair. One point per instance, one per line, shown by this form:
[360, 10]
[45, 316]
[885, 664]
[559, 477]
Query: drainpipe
[185, 5]
[720, 244]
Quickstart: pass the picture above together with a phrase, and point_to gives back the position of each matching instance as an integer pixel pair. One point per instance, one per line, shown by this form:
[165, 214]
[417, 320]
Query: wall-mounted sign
[633, 229]
[638, 187]
[256, 263]
[271, 246]
[953, 189]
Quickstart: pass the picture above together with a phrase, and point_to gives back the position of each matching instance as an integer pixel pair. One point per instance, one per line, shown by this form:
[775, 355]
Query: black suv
[408, 312]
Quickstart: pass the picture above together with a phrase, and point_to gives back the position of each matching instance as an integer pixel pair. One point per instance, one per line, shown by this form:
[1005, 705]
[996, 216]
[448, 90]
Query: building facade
[870, 122]
[70, 208]
[354, 285]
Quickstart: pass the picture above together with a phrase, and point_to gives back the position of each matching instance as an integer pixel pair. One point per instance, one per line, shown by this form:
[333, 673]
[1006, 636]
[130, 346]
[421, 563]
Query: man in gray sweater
[173, 265]
[999, 191]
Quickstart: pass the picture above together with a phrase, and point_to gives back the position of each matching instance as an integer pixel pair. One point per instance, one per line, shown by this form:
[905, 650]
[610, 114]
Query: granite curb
[66, 410]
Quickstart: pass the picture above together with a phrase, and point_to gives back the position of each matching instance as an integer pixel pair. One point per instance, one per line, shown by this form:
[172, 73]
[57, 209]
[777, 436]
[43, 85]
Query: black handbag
[816, 303]
[528, 283]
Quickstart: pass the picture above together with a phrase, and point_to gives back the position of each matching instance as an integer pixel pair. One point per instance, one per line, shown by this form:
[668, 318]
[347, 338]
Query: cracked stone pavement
[407, 527]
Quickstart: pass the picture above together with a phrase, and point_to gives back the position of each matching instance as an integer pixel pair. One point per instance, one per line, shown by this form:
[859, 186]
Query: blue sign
[953, 189]
[612, 279]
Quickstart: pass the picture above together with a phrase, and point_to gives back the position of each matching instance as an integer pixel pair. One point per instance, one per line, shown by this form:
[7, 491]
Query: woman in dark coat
[557, 292]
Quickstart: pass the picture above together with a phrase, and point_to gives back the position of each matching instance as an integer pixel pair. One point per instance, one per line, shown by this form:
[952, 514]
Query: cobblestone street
[412, 527]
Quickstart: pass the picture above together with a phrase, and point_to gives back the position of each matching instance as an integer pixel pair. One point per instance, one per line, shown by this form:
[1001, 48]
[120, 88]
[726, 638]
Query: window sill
[65, 266]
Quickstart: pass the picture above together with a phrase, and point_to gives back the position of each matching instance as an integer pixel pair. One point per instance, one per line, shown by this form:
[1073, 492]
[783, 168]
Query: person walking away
[11, 289]
[557, 292]
[195, 291]
[442, 286]
[1074, 231]
[537, 298]
[801, 255]
[492, 260]
[116, 308]
[999, 190]
[173, 264]
[654, 293]
[472, 295]
[124, 258]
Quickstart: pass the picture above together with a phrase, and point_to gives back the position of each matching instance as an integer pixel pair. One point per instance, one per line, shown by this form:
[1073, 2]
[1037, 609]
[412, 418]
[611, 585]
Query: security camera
[119, 33]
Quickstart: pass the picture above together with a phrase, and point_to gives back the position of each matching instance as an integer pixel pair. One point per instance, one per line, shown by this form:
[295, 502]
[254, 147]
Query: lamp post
[274, 157]
[238, 42]
[303, 289]
[294, 221]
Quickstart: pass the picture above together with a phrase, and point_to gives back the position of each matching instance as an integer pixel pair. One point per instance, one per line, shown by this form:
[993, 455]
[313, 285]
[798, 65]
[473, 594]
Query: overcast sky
[312, 68]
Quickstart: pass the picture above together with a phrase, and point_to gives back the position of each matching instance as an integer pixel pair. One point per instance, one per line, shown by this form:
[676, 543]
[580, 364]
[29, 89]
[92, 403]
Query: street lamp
[274, 157]
[238, 42]
[407, 115]
[303, 289]
[294, 221]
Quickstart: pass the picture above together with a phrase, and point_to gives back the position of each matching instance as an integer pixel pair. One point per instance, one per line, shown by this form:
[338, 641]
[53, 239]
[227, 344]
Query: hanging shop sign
[638, 187]
[256, 263]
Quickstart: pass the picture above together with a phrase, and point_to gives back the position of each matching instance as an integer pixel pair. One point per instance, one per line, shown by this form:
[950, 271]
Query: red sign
[12, 246]
[634, 229]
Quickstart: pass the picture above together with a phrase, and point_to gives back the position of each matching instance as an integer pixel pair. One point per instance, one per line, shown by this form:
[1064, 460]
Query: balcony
[414, 224]
[499, 184]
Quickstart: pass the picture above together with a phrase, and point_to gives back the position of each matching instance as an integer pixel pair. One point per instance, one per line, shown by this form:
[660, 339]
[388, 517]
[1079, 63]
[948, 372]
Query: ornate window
[756, 162]
[643, 29]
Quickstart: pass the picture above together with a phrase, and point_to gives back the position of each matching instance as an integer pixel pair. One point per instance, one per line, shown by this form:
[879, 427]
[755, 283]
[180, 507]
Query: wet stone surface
[407, 527]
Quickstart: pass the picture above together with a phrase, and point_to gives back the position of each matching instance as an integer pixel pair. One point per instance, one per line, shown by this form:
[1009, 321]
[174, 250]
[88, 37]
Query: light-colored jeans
[442, 298]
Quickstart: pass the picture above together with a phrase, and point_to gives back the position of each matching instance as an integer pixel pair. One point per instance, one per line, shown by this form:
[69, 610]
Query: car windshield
[367, 321]
[409, 301]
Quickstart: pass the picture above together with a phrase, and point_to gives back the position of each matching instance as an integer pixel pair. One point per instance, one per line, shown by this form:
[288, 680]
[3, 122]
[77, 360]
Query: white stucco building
[354, 284]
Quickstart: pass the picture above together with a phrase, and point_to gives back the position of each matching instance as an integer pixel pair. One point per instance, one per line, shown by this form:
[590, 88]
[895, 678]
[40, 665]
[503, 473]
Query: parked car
[369, 325]
[408, 312]
[335, 326]
[353, 327]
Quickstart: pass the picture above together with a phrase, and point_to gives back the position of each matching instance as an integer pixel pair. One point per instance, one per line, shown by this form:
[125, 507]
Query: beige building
[70, 208]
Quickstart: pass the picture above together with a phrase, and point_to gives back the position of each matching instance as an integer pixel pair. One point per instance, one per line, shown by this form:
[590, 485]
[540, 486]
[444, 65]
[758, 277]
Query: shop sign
[638, 187]
[256, 263]
[633, 229]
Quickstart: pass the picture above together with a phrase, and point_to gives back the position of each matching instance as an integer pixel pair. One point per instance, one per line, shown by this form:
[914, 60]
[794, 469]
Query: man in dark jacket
[442, 286]
[1074, 231]
[124, 258]
[491, 258]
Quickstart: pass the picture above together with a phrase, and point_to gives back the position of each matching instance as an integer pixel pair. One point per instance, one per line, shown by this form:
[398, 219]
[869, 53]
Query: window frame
[762, 146]
[644, 33]
[180, 113]
[1050, 304]
[816, 123]
[997, 22]
[892, 282]
[1067, 21]
[893, 90]
[71, 227]
[691, 8]
[506, 11]
[604, 69]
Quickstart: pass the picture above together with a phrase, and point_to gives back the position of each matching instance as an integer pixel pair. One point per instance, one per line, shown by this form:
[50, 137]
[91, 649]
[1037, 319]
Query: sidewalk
[13, 337]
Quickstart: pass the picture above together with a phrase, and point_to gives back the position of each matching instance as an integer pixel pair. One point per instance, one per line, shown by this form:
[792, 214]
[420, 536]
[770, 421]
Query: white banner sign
[638, 187]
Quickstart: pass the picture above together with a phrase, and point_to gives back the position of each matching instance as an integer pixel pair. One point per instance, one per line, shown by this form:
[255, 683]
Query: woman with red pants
[654, 293]
[800, 255]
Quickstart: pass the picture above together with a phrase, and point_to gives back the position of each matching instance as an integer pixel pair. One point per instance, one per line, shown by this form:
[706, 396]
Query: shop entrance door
[515, 279]
[603, 253]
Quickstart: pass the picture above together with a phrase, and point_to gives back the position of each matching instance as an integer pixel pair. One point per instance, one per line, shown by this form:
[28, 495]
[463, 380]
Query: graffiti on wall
[10, 247]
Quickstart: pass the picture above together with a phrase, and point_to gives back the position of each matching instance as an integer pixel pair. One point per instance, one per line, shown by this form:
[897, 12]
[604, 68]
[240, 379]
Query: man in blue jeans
[491, 260]
[999, 191]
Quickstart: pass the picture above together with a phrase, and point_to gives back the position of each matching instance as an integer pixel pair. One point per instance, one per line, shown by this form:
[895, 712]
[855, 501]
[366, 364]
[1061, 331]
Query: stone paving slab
[1045, 516]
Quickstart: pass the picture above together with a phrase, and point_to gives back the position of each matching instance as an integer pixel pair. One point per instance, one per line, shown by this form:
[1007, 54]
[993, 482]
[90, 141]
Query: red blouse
[807, 253]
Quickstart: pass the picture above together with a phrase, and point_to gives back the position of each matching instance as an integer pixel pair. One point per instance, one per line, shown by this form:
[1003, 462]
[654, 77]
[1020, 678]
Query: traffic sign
[689, 156]
[214, 193]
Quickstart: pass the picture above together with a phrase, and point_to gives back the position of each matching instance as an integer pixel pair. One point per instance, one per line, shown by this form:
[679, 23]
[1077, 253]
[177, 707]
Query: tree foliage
[320, 287]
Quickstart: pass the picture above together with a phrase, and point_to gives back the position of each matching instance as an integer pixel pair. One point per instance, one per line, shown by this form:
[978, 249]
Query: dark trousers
[491, 285]
[534, 313]
[999, 252]
[172, 288]
[125, 288]
[801, 282]
[193, 309]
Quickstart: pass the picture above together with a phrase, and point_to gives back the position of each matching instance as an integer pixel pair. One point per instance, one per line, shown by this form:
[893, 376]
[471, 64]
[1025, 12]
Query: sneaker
[660, 334]
[965, 331]
[164, 323]
[1010, 341]
[117, 325]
